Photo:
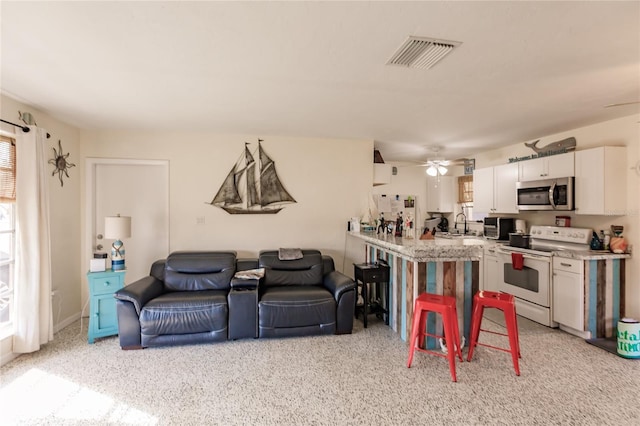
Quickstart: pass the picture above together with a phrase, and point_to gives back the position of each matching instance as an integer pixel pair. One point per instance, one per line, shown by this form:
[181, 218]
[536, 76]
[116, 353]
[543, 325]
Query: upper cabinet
[553, 166]
[440, 194]
[494, 189]
[601, 181]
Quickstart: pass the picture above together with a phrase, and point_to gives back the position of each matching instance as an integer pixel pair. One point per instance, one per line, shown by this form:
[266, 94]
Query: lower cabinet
[103, 318]
[490, 269]
[568, 292]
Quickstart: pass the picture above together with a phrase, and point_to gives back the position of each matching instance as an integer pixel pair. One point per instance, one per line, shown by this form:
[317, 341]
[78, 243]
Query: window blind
[7, 170]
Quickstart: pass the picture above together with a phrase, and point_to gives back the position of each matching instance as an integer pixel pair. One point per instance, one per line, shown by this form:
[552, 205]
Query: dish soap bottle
[595, 242]
[607, 239]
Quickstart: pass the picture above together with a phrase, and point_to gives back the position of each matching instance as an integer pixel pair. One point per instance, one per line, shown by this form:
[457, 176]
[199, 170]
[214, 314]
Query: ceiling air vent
[422, 52]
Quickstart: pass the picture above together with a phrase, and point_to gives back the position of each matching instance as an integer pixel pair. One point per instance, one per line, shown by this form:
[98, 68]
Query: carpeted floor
[334, 380]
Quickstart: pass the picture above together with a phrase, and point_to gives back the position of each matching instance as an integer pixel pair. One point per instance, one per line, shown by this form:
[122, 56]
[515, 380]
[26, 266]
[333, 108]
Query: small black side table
[377, 274]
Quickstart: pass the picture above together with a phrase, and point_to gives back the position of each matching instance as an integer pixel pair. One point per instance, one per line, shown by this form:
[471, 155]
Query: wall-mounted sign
[469, 166]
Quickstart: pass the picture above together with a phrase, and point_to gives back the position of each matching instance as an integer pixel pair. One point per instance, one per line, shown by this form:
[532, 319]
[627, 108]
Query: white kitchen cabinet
[550, 167]
[483, 190]
[490, 269]
[440, 194]
[494, 189]
[601, 181]
[568, 293]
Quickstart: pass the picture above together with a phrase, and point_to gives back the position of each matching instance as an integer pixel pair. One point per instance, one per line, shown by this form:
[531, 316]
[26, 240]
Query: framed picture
[469, 166]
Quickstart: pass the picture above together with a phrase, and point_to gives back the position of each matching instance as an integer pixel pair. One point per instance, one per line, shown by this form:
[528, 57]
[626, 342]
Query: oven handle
[526, 255]
[552, 190]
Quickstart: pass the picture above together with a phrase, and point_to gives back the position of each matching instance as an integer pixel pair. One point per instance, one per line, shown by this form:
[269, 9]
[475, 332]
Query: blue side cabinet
[103, 319]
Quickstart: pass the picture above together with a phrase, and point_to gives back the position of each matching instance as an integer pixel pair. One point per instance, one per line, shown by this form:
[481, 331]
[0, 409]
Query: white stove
[531, 281]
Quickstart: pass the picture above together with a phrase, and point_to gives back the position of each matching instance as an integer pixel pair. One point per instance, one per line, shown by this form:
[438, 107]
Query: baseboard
[10, 356]
[67, 321]
[6, 358]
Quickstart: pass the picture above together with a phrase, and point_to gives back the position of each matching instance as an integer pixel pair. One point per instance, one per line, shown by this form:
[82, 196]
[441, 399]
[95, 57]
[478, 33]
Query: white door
[136, 188]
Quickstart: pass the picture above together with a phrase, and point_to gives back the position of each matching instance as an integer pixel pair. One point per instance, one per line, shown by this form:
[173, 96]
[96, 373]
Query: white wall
[330, 180]
[64, 210]
[620, 132]
[409, 180]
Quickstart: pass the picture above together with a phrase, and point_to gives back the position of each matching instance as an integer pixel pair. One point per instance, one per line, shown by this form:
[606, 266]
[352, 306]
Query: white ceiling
[317, 69]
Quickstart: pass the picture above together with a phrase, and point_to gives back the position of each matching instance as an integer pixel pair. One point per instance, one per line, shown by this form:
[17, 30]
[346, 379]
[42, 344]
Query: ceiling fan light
[442, 170]
[432, 171]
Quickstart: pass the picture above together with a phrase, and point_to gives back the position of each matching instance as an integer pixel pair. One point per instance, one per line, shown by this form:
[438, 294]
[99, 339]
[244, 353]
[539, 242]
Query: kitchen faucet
[465, 221]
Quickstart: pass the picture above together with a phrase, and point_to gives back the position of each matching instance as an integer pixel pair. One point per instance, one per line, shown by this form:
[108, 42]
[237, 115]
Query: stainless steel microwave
[550, 194]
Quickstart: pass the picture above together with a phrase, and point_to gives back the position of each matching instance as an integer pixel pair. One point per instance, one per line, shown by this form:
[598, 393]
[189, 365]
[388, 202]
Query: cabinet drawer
[375, 277]
[105, 285]
[570, 265]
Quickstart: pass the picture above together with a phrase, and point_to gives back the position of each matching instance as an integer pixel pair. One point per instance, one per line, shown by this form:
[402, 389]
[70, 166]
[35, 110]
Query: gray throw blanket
[289, 254]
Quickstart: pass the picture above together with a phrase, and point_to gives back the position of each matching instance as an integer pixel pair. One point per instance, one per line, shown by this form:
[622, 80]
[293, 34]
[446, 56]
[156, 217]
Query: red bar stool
[446, 307]
[505, 302]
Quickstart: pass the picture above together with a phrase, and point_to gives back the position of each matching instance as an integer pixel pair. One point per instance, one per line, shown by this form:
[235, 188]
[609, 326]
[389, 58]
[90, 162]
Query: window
[465, 189]
[7, 229]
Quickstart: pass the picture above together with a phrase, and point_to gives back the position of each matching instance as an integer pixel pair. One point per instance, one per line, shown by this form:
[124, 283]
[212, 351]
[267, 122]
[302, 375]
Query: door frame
[92, 164]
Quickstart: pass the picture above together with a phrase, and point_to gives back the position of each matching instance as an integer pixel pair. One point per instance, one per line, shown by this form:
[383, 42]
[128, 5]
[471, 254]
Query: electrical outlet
[200, 220]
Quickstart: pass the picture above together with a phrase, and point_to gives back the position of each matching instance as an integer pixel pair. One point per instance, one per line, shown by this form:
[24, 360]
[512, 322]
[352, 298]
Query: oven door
[531, 283]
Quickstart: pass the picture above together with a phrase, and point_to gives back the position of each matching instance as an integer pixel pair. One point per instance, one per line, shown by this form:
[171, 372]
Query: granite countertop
[591, 254]
[436, 250]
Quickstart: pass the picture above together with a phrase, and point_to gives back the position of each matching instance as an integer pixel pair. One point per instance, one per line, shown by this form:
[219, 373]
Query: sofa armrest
[338, 284]
[140, 292]
[243, 283]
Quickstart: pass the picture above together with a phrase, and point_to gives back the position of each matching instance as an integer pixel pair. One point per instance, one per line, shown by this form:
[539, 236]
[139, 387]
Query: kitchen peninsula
[441, 266]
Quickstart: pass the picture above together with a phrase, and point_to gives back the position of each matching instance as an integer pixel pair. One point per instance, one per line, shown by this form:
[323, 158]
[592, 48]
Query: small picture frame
[469, 166]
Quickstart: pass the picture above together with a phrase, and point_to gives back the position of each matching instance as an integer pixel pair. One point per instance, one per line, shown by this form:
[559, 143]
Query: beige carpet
[332, 380]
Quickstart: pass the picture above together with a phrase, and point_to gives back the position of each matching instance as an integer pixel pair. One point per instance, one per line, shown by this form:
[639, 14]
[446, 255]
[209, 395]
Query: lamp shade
[117, 227]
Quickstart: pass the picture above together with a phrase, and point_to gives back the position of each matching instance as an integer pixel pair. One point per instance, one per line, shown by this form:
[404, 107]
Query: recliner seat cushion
[185, 312]
[288, 306]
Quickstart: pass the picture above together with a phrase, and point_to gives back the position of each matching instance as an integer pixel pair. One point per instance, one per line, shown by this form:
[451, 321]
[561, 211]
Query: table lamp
[117, 227]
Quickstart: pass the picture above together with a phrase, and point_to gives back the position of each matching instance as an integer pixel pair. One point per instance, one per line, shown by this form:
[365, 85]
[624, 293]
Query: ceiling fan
[437, 165]
[621, 104]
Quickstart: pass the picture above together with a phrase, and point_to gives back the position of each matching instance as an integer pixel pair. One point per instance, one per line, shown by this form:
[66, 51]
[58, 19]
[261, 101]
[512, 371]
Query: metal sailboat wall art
[252, 187]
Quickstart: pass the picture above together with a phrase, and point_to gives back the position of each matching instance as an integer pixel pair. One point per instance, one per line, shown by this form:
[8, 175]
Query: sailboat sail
[252, 191]
[272, 189]
[228, 192]
[252, 195]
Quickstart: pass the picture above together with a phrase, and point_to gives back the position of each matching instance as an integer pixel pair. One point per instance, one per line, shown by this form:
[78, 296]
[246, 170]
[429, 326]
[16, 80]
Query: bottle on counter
[606, 240]
[601, 239]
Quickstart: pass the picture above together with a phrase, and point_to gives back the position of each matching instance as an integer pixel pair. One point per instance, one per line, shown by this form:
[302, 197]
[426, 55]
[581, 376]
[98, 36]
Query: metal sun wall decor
[60, 162]
[252, 188]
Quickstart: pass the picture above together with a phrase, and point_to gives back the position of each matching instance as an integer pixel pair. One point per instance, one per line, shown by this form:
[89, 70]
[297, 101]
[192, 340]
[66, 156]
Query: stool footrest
[494, 332]
[429, 351]
[493, 347]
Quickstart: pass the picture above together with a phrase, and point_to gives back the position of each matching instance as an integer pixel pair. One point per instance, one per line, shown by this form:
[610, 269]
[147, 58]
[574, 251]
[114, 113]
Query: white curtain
[33, 313]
